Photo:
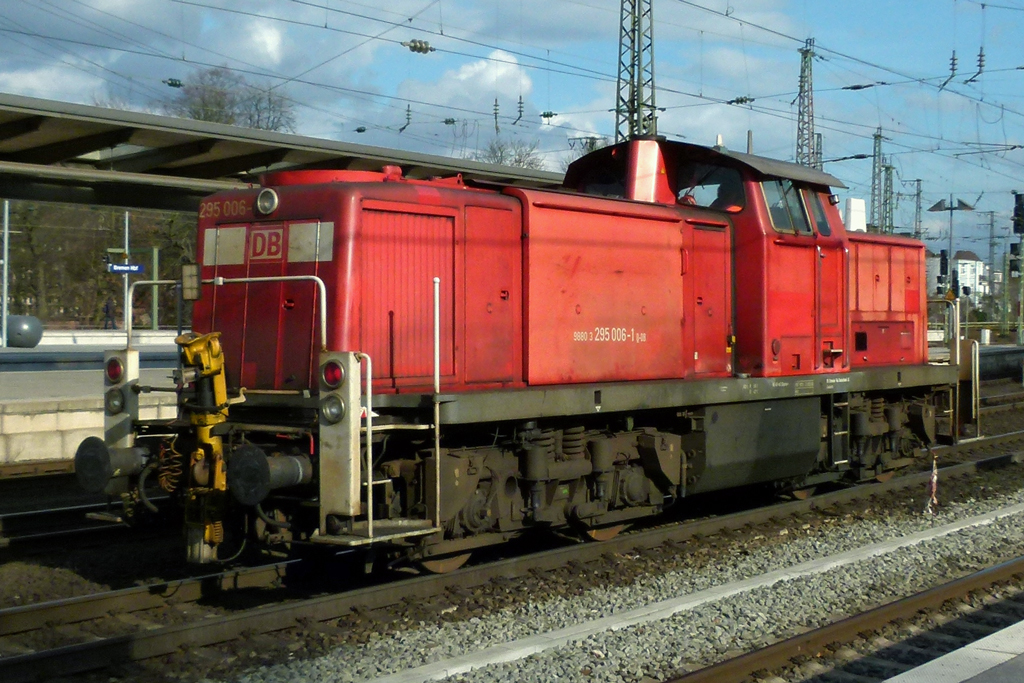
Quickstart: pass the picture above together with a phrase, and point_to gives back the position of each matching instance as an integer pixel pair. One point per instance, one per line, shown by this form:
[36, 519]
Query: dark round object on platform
[92, 465]
[23, 331]
[249, 475]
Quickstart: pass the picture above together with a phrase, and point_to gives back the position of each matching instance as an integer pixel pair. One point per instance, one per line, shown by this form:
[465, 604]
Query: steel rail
[1002, 407]
[210, 631]
[24, 618]
[19, 528]
[779, 654]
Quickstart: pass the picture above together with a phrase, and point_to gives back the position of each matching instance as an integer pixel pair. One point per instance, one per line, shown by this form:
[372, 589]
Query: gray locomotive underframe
[560, 401]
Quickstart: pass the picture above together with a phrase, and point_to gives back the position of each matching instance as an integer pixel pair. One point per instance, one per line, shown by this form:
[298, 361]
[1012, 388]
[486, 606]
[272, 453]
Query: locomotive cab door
[806, 279]
[711, 285]
[830, 288]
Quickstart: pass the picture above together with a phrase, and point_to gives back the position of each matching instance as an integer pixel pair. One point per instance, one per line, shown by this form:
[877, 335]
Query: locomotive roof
[763, 165]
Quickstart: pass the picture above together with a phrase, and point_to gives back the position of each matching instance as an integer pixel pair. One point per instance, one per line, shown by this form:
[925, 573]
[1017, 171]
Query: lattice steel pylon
[917, 210]
[875, 210]
[888, 200]
[635, 110]
[806, 141]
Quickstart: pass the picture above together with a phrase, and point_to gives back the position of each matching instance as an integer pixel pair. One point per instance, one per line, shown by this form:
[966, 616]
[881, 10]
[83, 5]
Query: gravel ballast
[660, 648]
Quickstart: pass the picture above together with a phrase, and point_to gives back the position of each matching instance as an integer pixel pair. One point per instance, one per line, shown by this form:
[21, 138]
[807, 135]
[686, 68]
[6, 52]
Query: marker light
[114, 370]
[113, 401]
[332, 409]
[332, 374]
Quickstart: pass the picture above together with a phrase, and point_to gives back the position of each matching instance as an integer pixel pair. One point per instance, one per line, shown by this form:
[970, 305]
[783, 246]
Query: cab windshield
[712, 187]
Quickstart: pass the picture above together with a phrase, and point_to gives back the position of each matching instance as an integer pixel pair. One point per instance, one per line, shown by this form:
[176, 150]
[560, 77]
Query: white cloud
[58, 81]
[267, 42]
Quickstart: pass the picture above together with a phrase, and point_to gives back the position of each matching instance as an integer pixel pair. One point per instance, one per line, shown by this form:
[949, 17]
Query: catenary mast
[635, 110]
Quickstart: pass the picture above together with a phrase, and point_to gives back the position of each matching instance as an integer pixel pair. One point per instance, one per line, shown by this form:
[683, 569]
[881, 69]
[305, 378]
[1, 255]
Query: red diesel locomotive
[426, 367]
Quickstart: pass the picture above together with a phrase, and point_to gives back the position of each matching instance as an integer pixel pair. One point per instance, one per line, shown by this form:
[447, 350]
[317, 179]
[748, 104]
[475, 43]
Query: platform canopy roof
[55, 151]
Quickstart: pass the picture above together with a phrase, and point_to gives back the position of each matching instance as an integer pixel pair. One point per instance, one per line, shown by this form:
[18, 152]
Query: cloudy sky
[879, 64]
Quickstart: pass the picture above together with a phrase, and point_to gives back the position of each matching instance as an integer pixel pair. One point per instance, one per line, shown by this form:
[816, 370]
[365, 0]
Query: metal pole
[991, 262]
[156, 298]
[7, 258]
[917, 212]
[949, 263]
[127, 302]
[1020, 311]
[1006, 293]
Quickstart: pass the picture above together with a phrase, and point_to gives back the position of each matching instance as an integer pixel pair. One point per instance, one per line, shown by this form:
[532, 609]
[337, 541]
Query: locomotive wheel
[804, 494]
[604, 534]
[445, 564]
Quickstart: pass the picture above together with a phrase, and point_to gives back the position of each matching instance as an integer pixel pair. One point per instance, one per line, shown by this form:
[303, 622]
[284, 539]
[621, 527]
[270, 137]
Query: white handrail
[369, 441]
[218, 281]
[437, 402]
[131, 295]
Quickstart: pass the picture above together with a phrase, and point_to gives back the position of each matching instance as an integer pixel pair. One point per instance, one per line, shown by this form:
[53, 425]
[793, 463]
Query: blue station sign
[122, 268]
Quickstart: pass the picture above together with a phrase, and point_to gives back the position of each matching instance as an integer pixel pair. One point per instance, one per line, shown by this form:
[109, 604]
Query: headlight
[113, 401]
[332, 409]
[266, 201]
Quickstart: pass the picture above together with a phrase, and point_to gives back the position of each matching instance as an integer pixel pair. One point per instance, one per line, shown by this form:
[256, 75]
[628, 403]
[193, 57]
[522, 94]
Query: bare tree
[581, 147]
[512, 152]
[57, 258]
[113, 101]
[222, 96]
[265, 108]
[209, 95]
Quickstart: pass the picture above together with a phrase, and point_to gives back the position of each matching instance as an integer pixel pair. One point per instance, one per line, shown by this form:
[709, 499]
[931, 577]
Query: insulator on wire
[952, 71]
[417, 45]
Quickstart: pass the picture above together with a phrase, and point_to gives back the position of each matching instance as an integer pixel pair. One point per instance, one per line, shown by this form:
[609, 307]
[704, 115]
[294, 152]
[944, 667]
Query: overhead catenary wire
[426, 112]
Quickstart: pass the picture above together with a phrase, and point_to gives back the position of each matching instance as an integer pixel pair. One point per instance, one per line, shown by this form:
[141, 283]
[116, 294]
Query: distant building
[973, 273]
[932, 271]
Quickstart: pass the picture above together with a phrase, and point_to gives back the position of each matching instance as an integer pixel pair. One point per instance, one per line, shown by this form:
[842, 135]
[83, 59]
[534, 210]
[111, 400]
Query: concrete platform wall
[107, 339]
[32, 431]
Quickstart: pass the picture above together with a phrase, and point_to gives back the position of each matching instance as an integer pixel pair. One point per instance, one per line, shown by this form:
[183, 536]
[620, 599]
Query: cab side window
[785, 207]
[710, 187]
[605, 182]
[813, 200]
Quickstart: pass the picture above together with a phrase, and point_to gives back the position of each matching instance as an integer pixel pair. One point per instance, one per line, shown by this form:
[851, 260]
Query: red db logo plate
[266, 244]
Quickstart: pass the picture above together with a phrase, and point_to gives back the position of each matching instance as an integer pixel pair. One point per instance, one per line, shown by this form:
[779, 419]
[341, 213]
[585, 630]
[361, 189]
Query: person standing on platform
[109, 323]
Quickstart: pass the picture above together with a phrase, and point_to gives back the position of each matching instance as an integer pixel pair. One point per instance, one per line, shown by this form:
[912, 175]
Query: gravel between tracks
[691, 638]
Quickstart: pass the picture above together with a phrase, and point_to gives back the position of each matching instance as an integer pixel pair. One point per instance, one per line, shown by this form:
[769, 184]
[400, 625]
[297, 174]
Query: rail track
[91, 639]
[41, 502]
[42, 530]
[138, 635]
[890, 639]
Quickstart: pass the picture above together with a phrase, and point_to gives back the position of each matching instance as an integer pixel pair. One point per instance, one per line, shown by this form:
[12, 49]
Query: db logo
[266, 245]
